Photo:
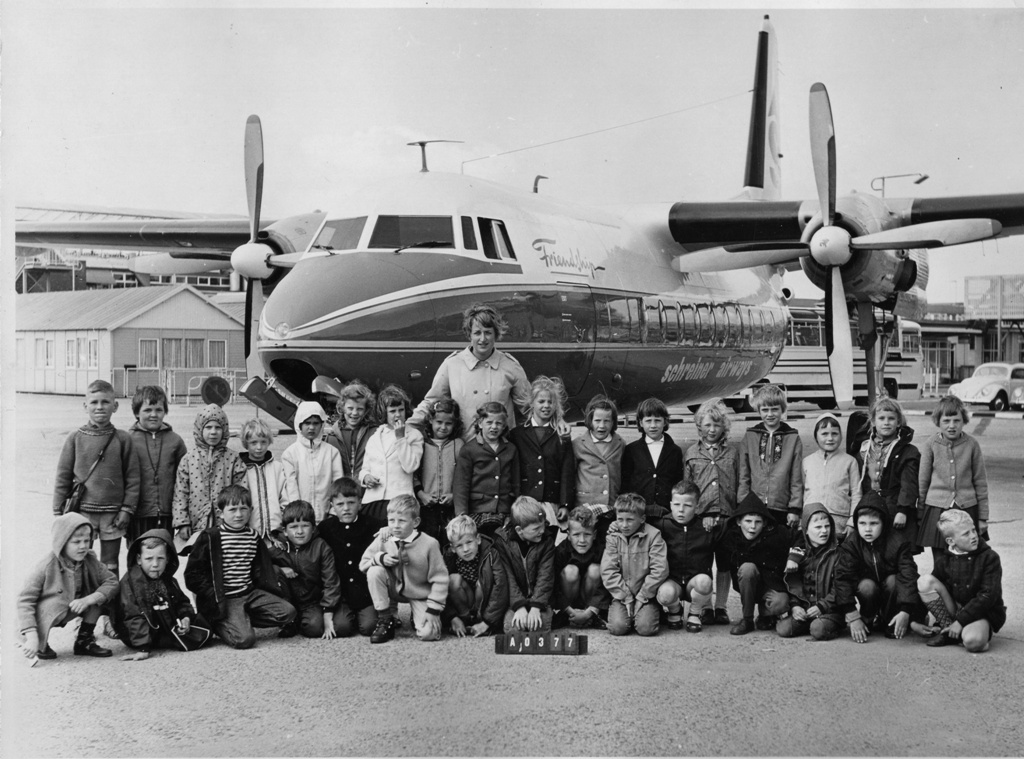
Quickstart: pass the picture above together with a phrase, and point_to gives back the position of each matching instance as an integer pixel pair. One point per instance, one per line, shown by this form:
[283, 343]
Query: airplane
[683, 301]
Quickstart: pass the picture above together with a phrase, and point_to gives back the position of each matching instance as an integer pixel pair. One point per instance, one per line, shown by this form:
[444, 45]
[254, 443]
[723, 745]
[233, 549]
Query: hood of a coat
[210, 413]
[63, 528]
[160, 534]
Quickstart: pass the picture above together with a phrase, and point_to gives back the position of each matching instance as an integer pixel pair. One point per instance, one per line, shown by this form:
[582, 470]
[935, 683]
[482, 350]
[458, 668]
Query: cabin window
[468, 235]
[413, 231]
[757, 322]
[670, 323]
[341, 234]
[655, 332]
[706, 317]
[735, 325]
[618, 319]
[688, 325]
[495, 240]
[148, 354]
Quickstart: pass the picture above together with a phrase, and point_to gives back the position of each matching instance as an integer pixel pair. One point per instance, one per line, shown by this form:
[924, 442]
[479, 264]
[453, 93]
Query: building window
[83, 353]
[94, 353]
[50, 351]
[148, 354]
[70, 354]
[218, 354]
[171, 350]
[195, 357]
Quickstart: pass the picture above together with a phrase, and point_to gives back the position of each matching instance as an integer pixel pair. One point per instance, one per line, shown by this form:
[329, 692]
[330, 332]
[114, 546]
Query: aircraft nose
[318, 295]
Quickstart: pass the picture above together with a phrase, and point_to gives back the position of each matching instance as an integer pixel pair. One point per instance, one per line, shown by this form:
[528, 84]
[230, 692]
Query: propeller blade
[932, 234]
[248, 316]
[838, 342]
[254, 300]
[823, 151]
[254, 172]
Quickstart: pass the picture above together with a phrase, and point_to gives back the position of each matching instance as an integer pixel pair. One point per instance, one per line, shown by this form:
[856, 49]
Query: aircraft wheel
[827, 404]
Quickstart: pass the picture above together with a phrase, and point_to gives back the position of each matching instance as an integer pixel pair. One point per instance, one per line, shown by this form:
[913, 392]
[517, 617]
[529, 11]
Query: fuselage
[589, 296]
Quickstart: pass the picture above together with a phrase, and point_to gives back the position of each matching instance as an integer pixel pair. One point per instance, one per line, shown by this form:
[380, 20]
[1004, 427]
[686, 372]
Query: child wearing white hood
[832, 476]
[310, 466]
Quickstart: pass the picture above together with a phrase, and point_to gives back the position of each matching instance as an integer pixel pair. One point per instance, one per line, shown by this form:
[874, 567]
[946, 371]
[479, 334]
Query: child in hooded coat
[810, 579]
[148, 608]
[310, 464]
[204, 472]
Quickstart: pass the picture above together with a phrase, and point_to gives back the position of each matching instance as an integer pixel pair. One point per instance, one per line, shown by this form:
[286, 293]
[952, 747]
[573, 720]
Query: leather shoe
[721, 617]
[47, 653]
[91, 648]
[765, 622]
[693, 625]
[707, 617]
[938, 640]
[742, 627]
[674, 624]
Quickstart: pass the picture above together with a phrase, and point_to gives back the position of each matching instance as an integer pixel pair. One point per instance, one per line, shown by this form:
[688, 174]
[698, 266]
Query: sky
[144, 106]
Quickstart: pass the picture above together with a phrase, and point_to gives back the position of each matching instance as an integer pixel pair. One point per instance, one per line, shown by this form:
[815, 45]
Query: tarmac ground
[673, 694]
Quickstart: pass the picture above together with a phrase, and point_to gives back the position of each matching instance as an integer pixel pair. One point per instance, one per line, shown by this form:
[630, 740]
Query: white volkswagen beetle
[998, 385]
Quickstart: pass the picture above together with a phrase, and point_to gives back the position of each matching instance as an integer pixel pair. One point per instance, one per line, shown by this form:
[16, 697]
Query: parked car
[998, 385]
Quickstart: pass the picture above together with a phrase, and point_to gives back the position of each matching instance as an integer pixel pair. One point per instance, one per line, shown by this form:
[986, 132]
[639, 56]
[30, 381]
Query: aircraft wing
[180, 238]
[696, 225]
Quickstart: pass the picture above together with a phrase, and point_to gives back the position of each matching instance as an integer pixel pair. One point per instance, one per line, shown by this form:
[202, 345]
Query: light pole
[881, 187]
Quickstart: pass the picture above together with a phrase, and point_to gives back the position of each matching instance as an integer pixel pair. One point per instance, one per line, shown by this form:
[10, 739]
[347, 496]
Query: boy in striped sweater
[231, 574]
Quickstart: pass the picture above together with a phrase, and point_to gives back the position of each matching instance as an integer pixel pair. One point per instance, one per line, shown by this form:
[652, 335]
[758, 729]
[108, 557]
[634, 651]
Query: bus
[803, 366]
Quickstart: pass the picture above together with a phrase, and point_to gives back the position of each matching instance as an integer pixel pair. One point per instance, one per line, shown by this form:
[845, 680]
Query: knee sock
[933, 601]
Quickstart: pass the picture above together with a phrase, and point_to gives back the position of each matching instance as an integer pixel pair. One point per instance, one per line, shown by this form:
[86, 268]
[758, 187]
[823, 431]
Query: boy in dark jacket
[580, 597]
[654, 463]
[232, 576]
[876, 570]
[151, 605]
[964, 592]
[691, 550]
[310, 581]
[160, 449]
[526, 566]
[810, 579]
[754, 548]
[476, 606]
[348, 536]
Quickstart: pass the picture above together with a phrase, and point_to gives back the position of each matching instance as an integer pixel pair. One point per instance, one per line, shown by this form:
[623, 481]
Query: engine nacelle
[875, 276]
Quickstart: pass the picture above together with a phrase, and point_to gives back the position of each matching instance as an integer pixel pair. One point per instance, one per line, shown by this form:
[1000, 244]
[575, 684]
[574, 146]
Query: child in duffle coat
[487, 471]
[755, 549]
[810, 579]
[876, 576]
[204, 472]
[771, 457]
[951, 475]
[547, 467]
[598, 455]
[526, 567]
[712, 464]
[70, 582]
[150, 604]
[831, 475]
[160, 450]
[889, 466]
[310, 465]
[964, 592]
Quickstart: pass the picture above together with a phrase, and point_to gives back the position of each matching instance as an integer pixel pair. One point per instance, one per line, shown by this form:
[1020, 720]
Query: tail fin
[762, 179]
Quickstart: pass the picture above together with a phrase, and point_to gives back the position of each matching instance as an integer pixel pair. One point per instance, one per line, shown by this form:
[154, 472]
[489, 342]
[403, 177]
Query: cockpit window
[495, 240]
[341, 234]
[407, 231]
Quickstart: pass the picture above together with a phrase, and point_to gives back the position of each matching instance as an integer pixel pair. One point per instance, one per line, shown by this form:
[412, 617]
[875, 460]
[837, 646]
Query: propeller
[251, 259]
[830, 246]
